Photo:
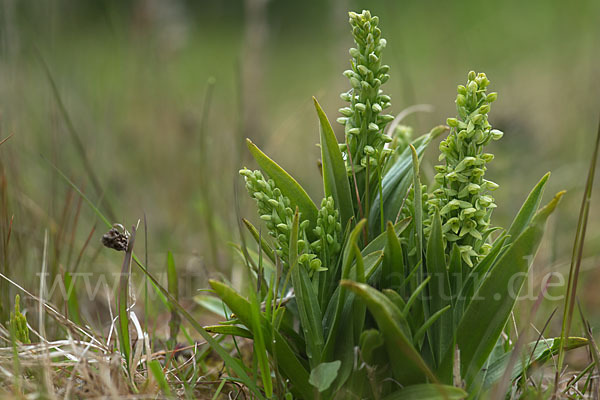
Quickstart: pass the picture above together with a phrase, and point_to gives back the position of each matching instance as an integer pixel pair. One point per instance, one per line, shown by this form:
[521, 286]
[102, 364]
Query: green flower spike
[275, 210]
[364, 119]
[18, 323]
[329, 231]
[463, 199]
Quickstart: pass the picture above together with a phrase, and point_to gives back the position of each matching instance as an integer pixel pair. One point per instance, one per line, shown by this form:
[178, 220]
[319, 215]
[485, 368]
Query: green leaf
[335, 177]
[260, 351]
[475, 277]
[311, 319]
[536, 353]
[528, 209]
[370, 341]
[276, 344]
[407, 364]
[159, 375]
[439, 290]
[487, 314]
[229, 330]
[213, 304]
[392, 271]
[323, 375]
[339, 318]
[418, 204]
[289, 187]
[428, 391]
[380, 241]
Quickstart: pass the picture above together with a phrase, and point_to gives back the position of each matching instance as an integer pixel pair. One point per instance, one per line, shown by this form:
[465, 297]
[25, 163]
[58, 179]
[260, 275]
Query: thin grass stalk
[576, 258]
[87, 165]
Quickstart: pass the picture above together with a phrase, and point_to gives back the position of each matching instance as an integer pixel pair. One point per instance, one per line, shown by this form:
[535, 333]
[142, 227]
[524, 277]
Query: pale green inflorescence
[329, 231]
[275, 210]
[18, 323]
[364, 119]
[463, 198]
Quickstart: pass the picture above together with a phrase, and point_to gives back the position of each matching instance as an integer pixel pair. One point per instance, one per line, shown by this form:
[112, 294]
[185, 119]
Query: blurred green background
[136, 79]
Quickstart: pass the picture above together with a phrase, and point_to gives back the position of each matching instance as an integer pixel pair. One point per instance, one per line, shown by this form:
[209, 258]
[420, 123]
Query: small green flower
[364, 119]
[463, 199]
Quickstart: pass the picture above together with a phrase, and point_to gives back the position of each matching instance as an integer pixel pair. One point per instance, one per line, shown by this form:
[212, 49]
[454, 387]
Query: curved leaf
[489, 310]
[229, 330]
[335, 177]
[407, 364]
[288, 186]
[528, 209]
[276, 344]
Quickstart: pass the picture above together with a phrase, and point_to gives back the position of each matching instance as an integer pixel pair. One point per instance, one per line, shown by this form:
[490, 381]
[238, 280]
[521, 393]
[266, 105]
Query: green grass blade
[159, 375]
[577, 255]
[72, 302]
[335, 177]
[486, 315]
[428, 391]
[122, 301]
[538, 353]
[287, 361]
[79, 144]
[288, 186]
[173, 287]
[407, 364]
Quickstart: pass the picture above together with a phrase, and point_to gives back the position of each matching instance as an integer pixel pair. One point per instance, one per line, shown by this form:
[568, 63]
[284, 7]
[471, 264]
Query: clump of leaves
[409, 274]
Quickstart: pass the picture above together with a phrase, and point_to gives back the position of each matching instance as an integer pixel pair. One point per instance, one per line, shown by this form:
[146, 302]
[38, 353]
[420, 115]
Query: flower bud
[453, 122]
[496, 134]
[484, 109]
[362, 70]
[346, 111]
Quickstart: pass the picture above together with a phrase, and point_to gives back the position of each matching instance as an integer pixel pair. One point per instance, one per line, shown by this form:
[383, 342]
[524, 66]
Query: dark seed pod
[116, 240]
